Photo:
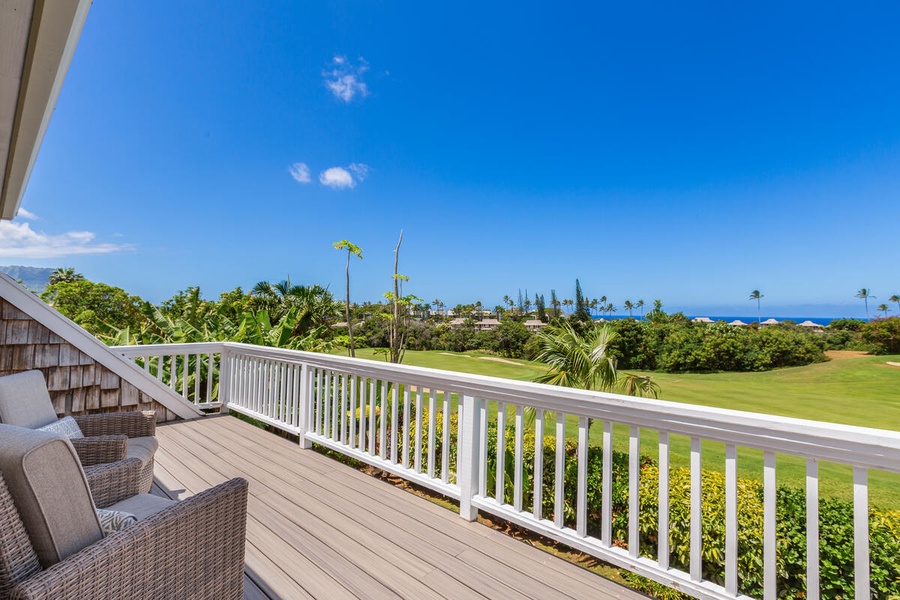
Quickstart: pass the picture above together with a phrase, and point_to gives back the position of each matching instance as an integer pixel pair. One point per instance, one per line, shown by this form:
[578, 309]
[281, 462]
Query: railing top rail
[135, 351]
[859, 446]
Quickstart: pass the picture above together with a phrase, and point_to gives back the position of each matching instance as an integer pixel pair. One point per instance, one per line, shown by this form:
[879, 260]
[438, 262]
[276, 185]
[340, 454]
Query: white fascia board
[55, 28]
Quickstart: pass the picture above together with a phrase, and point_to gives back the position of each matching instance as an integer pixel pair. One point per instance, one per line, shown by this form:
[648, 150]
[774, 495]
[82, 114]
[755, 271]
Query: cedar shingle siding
[76, 382]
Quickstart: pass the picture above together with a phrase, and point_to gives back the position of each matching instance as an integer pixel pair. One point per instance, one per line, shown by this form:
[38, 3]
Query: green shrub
[883, 335]
[835, 536]
[835, 521]
[835, 517]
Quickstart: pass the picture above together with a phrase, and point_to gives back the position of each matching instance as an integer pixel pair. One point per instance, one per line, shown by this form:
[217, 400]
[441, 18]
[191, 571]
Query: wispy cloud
[360, 170]
[339, 178]
[300, 172]
[26, 214]
[344, 79]
[18, 240]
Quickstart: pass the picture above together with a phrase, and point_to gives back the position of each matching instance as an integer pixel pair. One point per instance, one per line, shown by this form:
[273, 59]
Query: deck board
[319, 529]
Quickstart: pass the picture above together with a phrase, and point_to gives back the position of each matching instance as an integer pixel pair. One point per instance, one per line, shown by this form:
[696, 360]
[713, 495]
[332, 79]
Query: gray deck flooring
[319, 529]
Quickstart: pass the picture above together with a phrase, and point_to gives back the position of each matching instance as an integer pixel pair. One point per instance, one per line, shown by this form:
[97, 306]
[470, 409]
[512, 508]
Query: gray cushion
[50, 491]
[143, 448]
[142, 505]
[66, 427]
[25, 401]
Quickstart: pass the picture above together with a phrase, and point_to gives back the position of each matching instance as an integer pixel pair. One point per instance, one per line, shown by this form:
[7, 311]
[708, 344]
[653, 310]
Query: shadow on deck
[319, 529]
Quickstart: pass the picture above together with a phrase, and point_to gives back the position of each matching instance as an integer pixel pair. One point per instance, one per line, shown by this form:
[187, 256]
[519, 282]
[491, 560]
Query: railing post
[303, 406]
[469, 466]
[224, 379]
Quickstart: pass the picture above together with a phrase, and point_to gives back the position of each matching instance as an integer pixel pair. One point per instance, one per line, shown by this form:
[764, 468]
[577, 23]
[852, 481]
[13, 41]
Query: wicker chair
[108, 437]
[51, 545]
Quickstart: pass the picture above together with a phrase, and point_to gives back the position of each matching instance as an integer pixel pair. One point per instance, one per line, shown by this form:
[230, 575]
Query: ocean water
[823, 321]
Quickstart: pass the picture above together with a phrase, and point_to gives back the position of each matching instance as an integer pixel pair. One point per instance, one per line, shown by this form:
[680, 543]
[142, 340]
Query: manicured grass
[851, 389]
[477, 363]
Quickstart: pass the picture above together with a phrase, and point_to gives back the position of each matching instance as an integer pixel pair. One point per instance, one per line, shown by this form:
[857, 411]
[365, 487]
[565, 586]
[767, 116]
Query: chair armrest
[114, 481]
[100, 449]
[194, 549]
[132, 424]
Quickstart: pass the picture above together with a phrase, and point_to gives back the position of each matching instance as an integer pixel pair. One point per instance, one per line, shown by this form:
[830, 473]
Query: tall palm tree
[884, 308]
[895, 298]
[640, 305]
[756, 295]
[352, 250]
[67, 275]
[629, 307]
[585, 363]
[864, 294]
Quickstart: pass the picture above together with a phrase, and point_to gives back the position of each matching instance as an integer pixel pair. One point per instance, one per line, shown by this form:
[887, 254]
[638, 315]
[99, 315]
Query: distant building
[702, 320]
[534, 325]
[769, 322]
[812, 326]
[487, 324]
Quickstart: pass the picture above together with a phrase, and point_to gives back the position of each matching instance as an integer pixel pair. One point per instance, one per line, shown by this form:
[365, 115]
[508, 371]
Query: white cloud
[300, 172]
[344, 79]
[26, 214]
[18, 240]
[337, 178]
[360, 170]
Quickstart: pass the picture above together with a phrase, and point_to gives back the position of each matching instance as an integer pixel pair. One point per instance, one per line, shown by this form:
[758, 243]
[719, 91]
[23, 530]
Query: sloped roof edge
[35, 308]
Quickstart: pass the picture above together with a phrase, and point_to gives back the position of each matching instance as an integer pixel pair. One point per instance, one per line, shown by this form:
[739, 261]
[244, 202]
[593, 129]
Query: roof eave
[53, 33]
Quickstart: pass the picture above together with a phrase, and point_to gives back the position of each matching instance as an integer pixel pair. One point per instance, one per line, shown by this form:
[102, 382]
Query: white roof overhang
[37, 40]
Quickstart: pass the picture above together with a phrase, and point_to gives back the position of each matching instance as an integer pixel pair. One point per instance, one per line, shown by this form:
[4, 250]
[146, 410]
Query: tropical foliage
[585, 362]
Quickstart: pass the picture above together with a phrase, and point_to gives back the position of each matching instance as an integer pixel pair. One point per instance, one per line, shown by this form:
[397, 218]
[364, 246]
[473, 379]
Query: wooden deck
[319, 529]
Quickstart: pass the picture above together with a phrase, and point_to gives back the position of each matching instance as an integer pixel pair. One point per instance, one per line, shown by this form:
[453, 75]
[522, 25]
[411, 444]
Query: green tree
[67, 275]
[92, 305]
[757, 295]
[640, 305]
[864, 294]
[584, 362]
[884, 308]
[398, 324]
[541, 308]
[508, 339]
[883, 335]
[315, 306]
[629, 307]
[352, 250]
[895, 298]
[554, 303]
[581, 305]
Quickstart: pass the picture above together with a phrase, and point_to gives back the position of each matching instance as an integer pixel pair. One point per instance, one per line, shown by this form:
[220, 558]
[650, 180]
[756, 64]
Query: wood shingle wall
[76, 382]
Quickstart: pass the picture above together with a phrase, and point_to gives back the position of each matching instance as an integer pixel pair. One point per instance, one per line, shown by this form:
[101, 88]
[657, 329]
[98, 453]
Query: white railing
[448, 431]
[191, 370]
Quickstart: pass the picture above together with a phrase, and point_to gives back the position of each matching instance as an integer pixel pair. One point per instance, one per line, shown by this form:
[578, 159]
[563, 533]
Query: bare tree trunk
[349, 324]
[395, 322]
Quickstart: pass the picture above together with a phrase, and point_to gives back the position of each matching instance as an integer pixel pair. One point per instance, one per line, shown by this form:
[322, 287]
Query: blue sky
[690, 152]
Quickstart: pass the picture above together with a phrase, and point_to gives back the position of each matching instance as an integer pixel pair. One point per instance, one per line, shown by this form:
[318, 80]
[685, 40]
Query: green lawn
[854, 390]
